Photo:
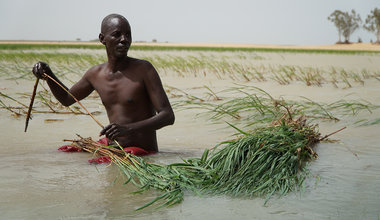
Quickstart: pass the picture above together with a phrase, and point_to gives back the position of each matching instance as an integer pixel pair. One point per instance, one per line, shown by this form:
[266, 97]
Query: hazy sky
[296, 22]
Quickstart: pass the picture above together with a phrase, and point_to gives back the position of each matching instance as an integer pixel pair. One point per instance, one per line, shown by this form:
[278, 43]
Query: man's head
[116, 34]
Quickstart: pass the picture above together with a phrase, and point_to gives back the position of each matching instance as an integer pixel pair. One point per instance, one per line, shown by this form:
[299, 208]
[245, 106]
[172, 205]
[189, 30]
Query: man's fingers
[106, 129]
[111, 131]
[113, 134]
[34, 69]
[103, 131]
[39, 67]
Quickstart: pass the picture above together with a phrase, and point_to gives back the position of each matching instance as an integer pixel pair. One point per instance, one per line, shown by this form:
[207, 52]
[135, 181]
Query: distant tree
[346, 23]
[351, 24]
[337, 17]
[372, 23]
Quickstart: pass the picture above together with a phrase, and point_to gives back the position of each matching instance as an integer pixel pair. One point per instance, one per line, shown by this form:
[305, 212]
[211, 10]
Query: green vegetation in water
[239, 66]
[26, 46]
[18, 65]
[45, 103]
[252, 106]
[264, 162]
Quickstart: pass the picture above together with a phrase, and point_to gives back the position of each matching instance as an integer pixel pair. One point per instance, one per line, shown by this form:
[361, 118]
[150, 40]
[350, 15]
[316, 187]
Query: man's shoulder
[95, 69]
[140, 63]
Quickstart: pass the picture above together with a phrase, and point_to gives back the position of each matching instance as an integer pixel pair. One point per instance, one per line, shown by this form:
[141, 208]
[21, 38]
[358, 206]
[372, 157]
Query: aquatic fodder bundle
[266, 161]
[263, 162]
[173, 179]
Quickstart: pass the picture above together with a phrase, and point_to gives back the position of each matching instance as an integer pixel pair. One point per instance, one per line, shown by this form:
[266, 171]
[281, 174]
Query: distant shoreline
[344, 47]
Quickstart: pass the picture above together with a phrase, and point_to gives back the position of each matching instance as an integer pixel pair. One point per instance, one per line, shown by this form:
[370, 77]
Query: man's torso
[126, 100]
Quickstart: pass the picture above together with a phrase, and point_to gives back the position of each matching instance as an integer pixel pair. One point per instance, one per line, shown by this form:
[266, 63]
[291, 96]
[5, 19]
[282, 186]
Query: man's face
[117, 37]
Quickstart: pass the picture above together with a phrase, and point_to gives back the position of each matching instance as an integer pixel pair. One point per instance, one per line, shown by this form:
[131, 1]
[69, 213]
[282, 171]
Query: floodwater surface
[39, 182]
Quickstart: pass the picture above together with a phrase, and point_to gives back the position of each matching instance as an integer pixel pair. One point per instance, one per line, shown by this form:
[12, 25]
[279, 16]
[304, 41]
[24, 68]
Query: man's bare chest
[120, 90]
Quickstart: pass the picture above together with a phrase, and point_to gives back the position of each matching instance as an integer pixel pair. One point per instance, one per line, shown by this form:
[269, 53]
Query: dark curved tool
[31, 104]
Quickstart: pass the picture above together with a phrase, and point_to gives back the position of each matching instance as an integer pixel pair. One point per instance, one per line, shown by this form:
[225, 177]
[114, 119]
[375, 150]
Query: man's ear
[101, 39]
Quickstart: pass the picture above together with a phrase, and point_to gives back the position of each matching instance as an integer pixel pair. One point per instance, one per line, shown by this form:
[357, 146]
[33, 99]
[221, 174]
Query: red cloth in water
[103, 141]
[98, 160]
[69, 148]
[105, 159]
[131, 150]
[137, 151]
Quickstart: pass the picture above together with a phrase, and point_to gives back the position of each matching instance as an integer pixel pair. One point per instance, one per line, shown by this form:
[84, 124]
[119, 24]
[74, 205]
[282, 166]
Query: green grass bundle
[173, 179]
[266, 161]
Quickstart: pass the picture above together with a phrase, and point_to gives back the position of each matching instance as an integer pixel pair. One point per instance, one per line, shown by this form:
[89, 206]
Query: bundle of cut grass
[173, 179]
[266, 161]
[263, 162]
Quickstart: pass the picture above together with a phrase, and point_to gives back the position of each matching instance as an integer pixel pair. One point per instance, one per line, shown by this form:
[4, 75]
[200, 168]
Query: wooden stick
[31, 104]
[100, 124]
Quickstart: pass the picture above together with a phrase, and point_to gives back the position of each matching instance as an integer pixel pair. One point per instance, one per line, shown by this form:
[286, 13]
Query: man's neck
[116, 63]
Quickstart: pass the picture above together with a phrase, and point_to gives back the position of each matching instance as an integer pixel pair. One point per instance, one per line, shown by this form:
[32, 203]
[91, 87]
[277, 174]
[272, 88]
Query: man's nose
[123, 38]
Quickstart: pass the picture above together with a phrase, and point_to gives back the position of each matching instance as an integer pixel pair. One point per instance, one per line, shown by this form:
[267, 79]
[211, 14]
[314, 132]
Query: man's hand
[112, 131]
[40, 68]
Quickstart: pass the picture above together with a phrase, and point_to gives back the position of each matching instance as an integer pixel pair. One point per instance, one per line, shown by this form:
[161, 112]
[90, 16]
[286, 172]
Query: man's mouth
[122, 48]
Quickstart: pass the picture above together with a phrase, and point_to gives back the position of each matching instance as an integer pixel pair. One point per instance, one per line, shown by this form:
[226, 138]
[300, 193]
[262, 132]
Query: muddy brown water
[39, 182]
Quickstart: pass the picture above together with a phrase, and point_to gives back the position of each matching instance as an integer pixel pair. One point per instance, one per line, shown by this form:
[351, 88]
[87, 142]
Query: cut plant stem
[31, 104]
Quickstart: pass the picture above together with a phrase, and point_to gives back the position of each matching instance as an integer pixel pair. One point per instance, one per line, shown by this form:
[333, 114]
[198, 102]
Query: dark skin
[130, 89]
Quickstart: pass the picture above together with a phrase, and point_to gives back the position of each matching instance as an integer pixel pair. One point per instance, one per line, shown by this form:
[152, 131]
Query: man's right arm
[80, 90]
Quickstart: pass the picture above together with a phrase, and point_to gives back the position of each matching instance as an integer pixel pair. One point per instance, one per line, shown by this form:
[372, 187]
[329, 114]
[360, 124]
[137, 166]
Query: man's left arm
[160, 101]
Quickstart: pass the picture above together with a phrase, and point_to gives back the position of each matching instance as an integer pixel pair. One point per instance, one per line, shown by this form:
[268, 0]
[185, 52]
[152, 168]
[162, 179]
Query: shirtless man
[130, 89]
